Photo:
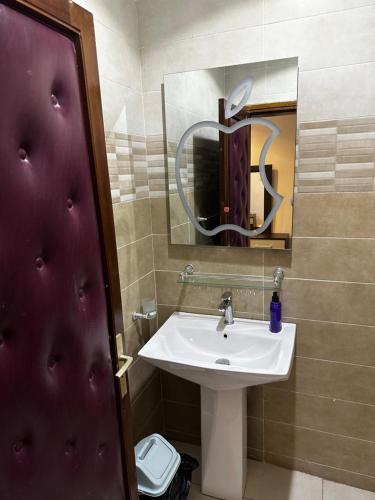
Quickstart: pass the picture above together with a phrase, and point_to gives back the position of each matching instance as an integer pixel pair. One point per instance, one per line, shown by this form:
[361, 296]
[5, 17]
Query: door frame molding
[77, 23]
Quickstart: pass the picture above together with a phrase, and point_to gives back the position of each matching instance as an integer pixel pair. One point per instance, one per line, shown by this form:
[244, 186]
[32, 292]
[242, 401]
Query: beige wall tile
[122, 108]
[317, 91]
[140, 373]
[132, 221]
[164, 25]
[322, 448]
[160, 216]
[333, 259]
[309, 37]
[118, 15]
[180, 235]
[280, 10]
[336, 342]
[255, 433]
[133, 295]
[164, 312]
[209, 259]
[254, 454]
[154, 423]
[137, 335]
[177, 212]
[335, 380]
[255, 401]
[329, 301]
[183, 437]
[200, 52]
[135, 261]
[346, 215]
[323, 414]
[152, 102]
[183, 418]
[180, 390]
[118, 59]
[146, 402]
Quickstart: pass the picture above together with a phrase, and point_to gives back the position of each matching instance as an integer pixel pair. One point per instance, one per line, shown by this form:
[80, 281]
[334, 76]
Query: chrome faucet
[226, 307]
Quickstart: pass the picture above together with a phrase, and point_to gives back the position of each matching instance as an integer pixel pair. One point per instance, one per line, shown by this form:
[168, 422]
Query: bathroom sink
[224, 360]
[200, 348]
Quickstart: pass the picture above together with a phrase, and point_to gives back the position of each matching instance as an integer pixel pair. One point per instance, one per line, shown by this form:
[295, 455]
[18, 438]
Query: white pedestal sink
[224, 360]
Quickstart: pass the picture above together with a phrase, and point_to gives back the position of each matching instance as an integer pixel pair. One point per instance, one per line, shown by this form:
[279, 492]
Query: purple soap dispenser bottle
[275, 314]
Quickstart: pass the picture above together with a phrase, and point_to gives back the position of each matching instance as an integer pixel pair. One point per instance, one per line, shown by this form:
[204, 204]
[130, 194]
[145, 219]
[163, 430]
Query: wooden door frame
[77, 23]
[271, 108]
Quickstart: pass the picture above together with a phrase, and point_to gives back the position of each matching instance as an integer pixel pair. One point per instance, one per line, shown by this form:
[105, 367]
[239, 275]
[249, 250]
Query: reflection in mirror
[220, 172]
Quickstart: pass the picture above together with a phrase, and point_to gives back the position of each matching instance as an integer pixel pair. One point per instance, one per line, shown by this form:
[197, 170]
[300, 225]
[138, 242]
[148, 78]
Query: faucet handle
[227, 297]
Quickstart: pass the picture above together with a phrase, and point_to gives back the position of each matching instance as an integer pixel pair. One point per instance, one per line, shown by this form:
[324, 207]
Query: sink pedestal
[224, 443]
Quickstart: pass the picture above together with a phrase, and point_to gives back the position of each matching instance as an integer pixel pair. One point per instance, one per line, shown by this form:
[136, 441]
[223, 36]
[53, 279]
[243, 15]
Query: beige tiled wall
[133, 227]
[336, 155]
[321, 420]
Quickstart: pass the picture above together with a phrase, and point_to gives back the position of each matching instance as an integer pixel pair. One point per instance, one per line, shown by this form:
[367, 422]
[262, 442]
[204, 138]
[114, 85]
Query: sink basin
[224, 360]
[200, 348]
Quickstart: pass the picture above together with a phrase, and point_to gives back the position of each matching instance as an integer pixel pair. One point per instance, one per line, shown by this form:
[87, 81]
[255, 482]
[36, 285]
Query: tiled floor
[268, 482]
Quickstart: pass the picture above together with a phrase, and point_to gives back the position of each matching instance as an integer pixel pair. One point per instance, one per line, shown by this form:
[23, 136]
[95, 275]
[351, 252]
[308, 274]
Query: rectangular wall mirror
[231, 141]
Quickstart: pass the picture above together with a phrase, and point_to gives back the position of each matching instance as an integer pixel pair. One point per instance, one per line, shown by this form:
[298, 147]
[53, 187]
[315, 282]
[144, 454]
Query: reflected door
[234, 179]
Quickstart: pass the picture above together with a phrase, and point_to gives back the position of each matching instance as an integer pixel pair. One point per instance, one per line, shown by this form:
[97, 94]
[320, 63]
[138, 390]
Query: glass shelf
[229, 281]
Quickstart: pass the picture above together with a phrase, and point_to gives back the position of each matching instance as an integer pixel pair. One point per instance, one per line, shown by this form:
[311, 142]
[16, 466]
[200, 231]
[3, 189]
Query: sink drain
[222, 361]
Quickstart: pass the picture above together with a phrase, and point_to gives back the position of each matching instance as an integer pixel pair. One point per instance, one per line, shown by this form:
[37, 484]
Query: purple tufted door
[60, 433]
[239, 162]
[234, 179]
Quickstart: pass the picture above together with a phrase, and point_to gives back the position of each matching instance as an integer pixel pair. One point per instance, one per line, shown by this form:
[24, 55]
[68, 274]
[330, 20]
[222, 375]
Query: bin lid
[157, 462]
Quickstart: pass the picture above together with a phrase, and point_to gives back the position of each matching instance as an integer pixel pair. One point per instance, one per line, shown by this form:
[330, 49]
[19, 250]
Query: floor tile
[337, 491]
[268, 482]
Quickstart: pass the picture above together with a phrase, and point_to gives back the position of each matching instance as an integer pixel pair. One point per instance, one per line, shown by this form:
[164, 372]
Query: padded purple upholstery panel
[239, 183]
[59, 435]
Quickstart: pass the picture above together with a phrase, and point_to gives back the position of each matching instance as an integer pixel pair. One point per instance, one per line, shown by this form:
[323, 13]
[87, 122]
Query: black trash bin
[161, 471]
[180, 486]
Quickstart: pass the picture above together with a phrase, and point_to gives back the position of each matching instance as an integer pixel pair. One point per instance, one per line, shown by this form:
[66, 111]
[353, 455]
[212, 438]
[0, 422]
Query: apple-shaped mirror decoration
[231, 109]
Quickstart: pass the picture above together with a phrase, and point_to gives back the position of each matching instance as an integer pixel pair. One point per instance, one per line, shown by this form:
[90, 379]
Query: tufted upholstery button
[81, 293]
[70, 446]
[53, 360]
[21, 444]
[69, 203]
[22, 154]
[39, 262]
[55, 101]
[18, 446]
[101, 449]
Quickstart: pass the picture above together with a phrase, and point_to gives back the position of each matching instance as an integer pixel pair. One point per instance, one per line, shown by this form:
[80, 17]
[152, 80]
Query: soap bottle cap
[275, 297]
